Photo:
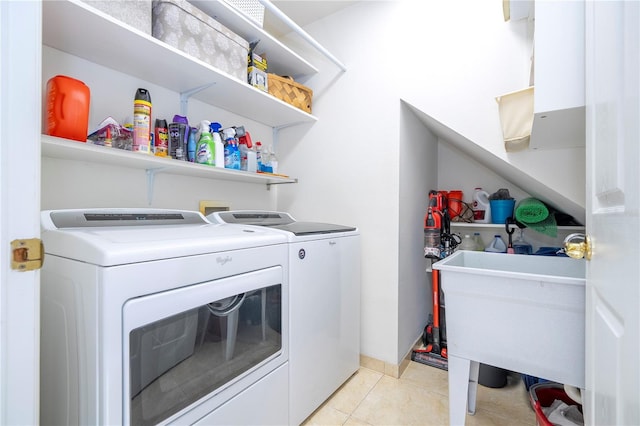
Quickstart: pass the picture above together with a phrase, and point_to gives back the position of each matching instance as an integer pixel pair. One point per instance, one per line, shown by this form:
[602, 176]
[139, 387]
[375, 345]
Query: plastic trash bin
[543, 395]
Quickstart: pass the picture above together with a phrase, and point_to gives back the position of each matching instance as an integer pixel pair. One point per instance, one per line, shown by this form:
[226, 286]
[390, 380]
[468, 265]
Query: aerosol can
[142, 122]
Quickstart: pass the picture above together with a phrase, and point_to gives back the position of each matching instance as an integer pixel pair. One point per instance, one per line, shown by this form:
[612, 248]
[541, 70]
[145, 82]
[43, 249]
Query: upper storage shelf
[80, 30]
[559, 99]
[281, 60]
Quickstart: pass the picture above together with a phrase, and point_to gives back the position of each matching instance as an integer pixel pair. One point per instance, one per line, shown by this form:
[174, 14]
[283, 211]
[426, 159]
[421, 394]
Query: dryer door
[194, 345]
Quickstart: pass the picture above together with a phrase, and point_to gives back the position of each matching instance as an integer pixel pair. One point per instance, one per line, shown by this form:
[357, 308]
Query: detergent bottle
[217, 141]
[497, 245]
[205, 150]
[481, 206]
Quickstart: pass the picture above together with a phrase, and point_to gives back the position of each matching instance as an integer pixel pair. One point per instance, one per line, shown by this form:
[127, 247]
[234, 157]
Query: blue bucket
[501, 210]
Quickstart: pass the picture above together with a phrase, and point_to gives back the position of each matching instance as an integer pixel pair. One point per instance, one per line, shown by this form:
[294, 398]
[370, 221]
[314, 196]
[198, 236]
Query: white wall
[348, 162]
[419, 171]
[448, 59]
[75, 184]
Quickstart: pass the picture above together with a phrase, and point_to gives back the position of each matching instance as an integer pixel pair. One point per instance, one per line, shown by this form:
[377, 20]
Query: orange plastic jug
[67, 108]
[455, 204]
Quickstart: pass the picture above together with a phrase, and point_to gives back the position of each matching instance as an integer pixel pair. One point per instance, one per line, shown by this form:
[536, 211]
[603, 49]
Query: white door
[20, 117]
[613, 180]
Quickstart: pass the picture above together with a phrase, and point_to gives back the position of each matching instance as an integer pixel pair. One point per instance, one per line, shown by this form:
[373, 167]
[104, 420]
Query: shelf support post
[151, 177]
[184, 97]
[276, 133]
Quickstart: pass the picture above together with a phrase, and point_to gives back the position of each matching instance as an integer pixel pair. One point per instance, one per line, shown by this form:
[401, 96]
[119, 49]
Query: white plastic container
[467, 243]
[520, 313]
[497, 245]
[481, 206]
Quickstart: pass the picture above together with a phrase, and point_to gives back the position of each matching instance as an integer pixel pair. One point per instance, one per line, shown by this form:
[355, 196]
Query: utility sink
[517, 312]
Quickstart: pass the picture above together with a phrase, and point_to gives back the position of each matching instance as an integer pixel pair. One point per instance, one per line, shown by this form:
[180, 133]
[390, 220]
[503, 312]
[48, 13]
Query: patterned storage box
[180, 24]
[136, 13]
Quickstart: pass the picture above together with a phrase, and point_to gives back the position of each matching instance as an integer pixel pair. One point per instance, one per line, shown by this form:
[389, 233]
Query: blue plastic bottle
[191, 145]
[231, 151]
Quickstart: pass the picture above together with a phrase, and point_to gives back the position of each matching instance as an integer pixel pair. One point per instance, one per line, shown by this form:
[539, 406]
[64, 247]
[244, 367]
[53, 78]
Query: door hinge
[27, 255]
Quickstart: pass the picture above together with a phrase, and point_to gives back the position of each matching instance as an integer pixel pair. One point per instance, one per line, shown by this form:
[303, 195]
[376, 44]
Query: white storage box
[183, 26]
[136, 13]
[518, 312]
[516, 118]
[252, 9]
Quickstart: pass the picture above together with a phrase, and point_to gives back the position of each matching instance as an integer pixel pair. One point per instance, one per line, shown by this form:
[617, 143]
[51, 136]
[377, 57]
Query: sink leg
[473, 386]
[463, 383]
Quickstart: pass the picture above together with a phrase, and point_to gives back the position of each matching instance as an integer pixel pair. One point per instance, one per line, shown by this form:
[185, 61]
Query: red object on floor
[543, 395]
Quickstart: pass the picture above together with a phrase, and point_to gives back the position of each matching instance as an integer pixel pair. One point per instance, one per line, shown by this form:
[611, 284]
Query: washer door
[192, 345]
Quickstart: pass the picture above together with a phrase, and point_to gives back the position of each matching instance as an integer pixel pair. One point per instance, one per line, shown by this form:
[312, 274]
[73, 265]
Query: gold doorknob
[578, 246]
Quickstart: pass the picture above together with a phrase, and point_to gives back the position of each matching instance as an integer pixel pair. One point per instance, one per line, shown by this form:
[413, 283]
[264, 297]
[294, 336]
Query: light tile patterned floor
[418, 397]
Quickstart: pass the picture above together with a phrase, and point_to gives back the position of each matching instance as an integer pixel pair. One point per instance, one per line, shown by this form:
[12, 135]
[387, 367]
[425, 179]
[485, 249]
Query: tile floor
[418, 397]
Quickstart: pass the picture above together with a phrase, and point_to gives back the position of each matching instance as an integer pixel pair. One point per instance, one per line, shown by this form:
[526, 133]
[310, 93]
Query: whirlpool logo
[223, 260]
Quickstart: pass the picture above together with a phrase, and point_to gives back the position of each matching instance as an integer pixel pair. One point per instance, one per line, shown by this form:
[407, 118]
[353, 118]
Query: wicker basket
[287, 90]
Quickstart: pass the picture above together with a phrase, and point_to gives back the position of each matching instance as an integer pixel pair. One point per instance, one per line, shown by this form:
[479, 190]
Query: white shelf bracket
[276, 133]
[279, 183]
[151, 177]
[184, 97]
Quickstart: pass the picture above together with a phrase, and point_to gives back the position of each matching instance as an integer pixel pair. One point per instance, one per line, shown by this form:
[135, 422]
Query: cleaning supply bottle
[481, 206]
[520, 246]
[467, 243]
[497, 245]
[142, 121]
[178, 137]
[247, 154]
[273, 160]
[231, 152]
[162, 138]
[217, 141]
[191, 145]
[205, 150]
[259, 156]
[477, 239]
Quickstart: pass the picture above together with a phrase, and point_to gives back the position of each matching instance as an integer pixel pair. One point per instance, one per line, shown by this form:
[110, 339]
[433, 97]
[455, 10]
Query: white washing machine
[158, 316]
[324, 289]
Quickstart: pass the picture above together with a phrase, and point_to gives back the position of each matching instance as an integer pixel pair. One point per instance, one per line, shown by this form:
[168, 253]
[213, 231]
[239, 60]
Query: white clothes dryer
[158, 316]
[324, 297]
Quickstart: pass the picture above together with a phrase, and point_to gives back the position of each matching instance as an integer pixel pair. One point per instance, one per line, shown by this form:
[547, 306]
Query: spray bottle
[206, 150]
[214, 128]
[248, 160]
[231, 152]
[142, 121]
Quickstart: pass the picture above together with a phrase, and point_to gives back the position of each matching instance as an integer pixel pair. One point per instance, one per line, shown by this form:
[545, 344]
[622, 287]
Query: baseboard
[386, 368]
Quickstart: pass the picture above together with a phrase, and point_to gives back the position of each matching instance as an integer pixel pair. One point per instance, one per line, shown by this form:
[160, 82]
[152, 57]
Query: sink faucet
[578, 246]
